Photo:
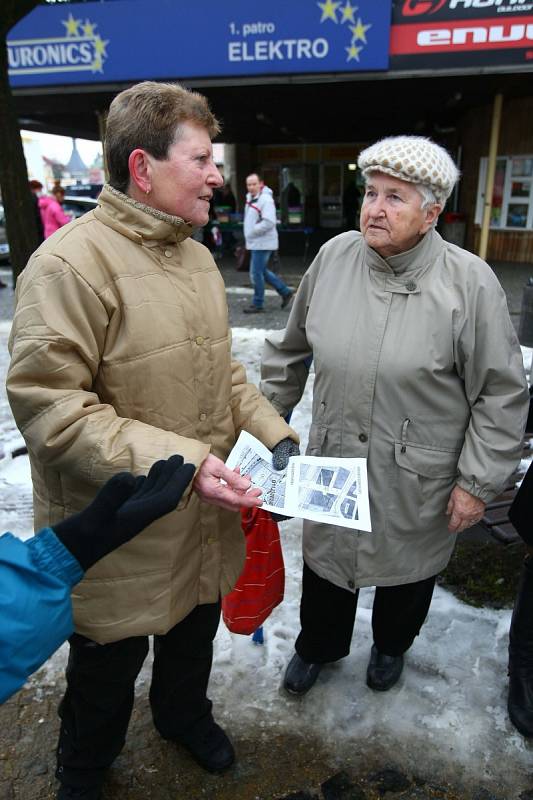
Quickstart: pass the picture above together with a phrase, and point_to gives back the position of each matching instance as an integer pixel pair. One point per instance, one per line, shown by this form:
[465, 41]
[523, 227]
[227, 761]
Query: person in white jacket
[261, 237]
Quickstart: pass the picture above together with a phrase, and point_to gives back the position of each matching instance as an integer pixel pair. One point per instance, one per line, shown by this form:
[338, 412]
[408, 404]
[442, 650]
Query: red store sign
[445, 33]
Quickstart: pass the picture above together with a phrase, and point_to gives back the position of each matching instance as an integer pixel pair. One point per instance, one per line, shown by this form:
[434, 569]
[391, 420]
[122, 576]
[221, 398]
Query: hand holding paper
[330, 490]
[220, 485]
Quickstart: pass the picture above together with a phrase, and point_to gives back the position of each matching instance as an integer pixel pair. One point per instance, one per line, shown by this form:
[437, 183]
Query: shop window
[512, 197]
[292, 196]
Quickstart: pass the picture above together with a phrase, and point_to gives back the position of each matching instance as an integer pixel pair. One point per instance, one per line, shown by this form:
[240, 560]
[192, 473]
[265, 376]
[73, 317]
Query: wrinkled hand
[282, 451]
[123, 507]
[464, 510]
[232, 495]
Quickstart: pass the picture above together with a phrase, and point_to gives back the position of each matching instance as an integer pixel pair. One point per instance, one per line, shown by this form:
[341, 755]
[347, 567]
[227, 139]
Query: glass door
[331, 195]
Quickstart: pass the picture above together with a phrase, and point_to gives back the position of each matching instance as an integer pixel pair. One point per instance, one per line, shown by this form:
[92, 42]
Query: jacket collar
[417, 258]
[138, 221]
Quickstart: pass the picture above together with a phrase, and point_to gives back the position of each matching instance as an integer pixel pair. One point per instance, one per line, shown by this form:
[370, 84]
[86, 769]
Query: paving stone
[390, 780]
[484, 794]
[341, 787]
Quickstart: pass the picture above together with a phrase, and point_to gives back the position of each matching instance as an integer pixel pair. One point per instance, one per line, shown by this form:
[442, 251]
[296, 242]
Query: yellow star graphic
[359, 31]
[353, 52]
[348, 12]
[97, 64]
[329, 10]
[100, 45]
[71, 25]
[88, 28]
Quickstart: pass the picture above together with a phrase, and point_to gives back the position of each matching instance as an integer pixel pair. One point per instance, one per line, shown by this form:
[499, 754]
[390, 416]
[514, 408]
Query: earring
[147, 191]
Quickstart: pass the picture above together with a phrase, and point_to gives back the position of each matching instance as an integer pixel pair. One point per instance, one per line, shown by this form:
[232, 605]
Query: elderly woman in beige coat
[121, 355]
[418, 370]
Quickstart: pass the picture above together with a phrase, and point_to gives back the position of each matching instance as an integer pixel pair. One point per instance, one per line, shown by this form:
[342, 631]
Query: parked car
[78, 206]
[75, 206]
[85, 189]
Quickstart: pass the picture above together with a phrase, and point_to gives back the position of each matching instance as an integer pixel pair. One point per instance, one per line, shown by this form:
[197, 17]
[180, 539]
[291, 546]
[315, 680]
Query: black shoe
[253, 310]
[520, 699]
[210, 747]
[287, 299]
[78, 793]
[383, 671]
[300, 676]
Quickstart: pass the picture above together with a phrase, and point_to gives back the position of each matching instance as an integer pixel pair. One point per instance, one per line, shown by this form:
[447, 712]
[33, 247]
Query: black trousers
[98, 702]
[327, 617]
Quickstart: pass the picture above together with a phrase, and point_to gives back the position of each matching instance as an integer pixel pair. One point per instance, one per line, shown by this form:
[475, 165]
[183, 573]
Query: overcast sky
[60, 147]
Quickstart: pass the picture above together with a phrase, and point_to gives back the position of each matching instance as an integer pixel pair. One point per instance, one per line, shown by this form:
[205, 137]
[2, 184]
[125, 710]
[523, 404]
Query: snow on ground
[446, 717]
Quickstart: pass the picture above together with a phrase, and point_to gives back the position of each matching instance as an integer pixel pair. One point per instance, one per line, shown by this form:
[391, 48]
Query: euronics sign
[131, 40]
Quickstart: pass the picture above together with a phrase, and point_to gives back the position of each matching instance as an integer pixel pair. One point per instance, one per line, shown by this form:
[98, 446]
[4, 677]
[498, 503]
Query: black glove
[282, 451]
[123, 507]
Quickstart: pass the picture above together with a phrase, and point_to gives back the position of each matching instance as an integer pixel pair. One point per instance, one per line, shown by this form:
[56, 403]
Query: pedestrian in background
[261, 238]
[36, 189]
[121, 355]
[417, 369]
[52, 212]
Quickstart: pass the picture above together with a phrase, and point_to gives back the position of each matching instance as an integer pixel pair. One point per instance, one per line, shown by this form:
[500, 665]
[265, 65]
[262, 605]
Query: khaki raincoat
[121, 355]
[418, 369]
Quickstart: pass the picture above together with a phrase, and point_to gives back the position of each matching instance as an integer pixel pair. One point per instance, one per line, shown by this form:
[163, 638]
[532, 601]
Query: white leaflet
[328, 490]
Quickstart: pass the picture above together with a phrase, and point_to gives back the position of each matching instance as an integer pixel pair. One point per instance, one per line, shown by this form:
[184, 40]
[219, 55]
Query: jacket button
[410, 286]
[199, 340]
[168, 253]
[363, 437]
[203, 416]
[351, 584]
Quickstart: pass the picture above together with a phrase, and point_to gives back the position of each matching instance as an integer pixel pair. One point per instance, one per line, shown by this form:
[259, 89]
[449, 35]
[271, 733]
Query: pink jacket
[52, 215]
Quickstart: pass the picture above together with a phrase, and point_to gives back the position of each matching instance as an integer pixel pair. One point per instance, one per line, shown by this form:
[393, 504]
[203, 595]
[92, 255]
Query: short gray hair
[428, 196]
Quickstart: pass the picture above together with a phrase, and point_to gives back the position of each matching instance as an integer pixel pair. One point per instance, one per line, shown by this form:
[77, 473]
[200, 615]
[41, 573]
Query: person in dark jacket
[36, 188]
[36, 576]
[520, 698]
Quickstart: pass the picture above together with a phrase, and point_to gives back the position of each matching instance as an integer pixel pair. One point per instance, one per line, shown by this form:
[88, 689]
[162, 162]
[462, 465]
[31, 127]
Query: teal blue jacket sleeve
[36, 577]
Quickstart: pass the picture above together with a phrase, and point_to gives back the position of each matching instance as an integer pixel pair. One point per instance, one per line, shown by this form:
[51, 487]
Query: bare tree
[20, 217]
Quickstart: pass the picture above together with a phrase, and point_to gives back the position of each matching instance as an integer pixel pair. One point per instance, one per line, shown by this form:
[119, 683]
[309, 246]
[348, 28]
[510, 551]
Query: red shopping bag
[262, 582]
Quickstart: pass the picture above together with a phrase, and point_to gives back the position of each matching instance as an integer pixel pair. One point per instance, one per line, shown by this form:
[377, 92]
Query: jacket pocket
[421, 481]
[430, 462]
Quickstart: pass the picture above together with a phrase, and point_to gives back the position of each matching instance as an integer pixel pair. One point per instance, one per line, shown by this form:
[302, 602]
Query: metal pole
[459, 164]
[491, 170]
[102, 121]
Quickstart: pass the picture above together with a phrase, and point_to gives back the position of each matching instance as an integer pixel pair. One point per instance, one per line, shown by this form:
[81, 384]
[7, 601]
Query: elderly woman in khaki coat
[121, 355]
[418, 370]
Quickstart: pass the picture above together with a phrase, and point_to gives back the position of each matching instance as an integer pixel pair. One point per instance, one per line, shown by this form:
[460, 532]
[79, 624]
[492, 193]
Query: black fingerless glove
[123, 507]
[282, 451]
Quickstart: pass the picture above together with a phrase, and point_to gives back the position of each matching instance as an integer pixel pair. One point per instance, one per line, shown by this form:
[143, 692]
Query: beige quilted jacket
[121, 355]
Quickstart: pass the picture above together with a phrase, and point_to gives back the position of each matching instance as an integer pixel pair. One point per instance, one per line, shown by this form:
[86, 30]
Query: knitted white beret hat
[414, 159]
